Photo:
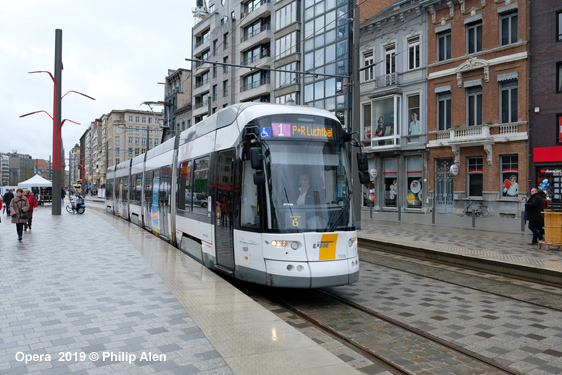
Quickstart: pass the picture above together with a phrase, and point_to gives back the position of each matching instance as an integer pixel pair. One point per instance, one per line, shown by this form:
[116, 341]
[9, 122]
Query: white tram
[258, 191]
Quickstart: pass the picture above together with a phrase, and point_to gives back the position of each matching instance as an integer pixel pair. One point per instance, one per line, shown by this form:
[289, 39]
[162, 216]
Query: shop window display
[390, 182]
[414, 186]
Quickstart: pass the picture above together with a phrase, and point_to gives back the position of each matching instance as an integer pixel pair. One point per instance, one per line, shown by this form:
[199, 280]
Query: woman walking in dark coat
[18, 205]
[535, 206]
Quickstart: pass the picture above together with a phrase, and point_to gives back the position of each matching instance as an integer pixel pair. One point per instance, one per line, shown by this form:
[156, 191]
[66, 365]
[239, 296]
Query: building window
[143, 142]
[508, 28]
[390, 169]
[474, 37]
[475, 177]
[288, 77]
[214, 92]
[509, 176]
[117, 140]
[225, 88]
[508, 102]
[215, 45]
[559, 77]
[137, 152]
[136, 141]
[367, 61]
[444, 111]
[144, 120]
[559, 24]
[225, 67]
[444, 46]
[287, 45]
[156, 142]
[384, 114]
[474, 106]
[150, 120]
[414, 182]
[390, 59]
[137, 130]
[286, 15]
[137, 118]
[130, 140]
[367, 122]
[130, 118]
[414, 123]
[150, 142]
[117, 130]
[225, 41]
[414, 53]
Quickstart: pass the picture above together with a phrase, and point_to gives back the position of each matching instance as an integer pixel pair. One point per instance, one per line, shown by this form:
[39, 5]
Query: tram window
[184, 187]
[125, 188]
[136, 186]
[249, 214]
[108, 190]
[200, 185]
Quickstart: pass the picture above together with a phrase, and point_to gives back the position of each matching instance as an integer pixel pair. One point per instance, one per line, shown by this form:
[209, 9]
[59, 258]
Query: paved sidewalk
[92, 294]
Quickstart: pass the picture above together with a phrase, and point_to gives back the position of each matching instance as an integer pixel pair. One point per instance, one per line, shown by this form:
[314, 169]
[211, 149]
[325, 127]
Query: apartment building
[177, 103]
[285, 37]
[477, 95]
[545, 133]
[393, 111]
[126, 134]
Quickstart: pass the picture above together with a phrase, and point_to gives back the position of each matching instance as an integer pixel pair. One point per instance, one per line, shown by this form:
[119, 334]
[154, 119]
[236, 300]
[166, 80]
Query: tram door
[224, 209]
[443, 185]
[164, 200]
[147, 199]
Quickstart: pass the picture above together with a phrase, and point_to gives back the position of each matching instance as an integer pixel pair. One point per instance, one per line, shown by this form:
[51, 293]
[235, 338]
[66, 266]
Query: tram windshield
[308, 187]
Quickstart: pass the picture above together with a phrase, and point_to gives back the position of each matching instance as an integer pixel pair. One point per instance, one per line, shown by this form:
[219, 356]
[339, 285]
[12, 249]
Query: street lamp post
[56, 163]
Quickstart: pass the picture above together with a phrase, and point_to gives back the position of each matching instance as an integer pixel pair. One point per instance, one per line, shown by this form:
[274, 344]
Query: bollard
[399, 214]
[523, 221]
[433, 213]
[473, 214]
[371, 211]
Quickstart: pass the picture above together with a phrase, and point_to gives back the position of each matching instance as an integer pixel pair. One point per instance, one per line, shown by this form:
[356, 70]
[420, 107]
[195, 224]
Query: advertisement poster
[155, 188]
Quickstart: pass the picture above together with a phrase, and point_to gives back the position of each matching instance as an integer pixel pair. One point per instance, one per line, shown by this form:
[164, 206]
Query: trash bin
[552, 229]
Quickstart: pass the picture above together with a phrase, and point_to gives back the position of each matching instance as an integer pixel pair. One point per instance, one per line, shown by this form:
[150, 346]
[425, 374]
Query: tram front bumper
[286, 274]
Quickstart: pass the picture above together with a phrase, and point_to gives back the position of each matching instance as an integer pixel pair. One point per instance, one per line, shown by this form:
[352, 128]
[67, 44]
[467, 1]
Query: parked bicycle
[476, 208]
[77, 206]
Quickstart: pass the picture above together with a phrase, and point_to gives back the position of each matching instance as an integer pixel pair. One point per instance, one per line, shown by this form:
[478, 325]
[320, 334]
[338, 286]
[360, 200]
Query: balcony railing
[253, 85]
[199, 105]
[251, 8]
[387, 80]
[255, 32]
[251, 59]
[465, 133]
[201, 83]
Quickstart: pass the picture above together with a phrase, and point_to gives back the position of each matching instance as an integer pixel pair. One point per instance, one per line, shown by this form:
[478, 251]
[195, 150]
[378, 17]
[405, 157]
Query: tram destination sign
[279, 130]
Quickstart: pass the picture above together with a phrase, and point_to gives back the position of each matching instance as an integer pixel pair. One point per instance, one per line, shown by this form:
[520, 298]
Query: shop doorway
[443, 185]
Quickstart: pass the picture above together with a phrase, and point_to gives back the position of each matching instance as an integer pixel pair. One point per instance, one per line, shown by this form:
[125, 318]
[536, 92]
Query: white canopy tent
[35, 181]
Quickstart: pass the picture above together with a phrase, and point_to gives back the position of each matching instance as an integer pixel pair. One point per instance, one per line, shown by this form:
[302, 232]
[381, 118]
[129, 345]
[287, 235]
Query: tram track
[535, 295]
[401, 348]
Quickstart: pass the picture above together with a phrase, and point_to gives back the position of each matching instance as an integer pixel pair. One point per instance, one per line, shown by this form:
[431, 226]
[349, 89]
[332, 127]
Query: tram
[260, 192]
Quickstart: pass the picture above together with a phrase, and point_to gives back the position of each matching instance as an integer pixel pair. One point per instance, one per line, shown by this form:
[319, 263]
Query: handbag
[24, 215]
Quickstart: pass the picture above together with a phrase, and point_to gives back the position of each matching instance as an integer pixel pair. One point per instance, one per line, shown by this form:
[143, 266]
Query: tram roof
[227, 116]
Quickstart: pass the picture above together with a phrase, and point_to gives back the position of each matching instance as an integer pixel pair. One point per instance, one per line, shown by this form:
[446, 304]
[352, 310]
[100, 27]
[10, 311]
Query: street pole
[57, 176]
[355, 117]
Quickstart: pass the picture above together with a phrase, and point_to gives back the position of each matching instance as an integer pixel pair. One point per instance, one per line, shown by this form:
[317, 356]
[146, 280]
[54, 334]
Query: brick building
[477, 103]
[545, 134]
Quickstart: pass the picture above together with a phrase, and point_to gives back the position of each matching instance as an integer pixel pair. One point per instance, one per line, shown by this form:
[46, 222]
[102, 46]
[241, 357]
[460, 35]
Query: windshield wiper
[335, 223]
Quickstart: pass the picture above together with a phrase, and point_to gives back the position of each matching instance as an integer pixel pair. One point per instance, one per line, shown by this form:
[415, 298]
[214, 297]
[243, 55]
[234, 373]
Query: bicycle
[479, 209]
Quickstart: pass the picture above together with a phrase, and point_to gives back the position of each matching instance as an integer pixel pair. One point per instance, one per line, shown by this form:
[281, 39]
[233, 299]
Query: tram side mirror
[256, 159]
[259, 177]
[362, 165]
[364, 178]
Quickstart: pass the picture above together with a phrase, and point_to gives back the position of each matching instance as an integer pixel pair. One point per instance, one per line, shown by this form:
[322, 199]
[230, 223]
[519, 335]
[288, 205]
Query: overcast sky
[115, 51]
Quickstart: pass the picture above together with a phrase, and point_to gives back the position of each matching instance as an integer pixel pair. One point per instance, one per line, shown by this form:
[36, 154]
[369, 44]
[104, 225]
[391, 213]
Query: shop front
[548, 173]
[398, 182]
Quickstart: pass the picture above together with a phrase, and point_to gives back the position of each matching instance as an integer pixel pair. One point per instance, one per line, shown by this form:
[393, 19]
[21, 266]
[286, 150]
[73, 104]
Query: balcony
[254, 89]
[480, 135]
[252, 59]
[251, 34]
[387, 80]
[251, 13]
[253, 85]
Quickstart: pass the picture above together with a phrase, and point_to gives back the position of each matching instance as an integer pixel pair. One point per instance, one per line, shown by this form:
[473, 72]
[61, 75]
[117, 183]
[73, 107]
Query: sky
[114, 51]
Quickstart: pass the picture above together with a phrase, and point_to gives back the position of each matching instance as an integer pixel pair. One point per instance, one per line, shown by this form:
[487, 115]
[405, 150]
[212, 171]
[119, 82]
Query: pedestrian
[534, 207]
[19, 204]
[62, 195]
[32, 205]
[7, 199]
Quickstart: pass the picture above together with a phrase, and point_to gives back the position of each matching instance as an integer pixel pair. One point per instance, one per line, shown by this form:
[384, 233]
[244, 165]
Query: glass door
[443, 185]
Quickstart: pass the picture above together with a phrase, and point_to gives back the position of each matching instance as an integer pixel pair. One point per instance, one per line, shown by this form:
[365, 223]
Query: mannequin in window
[379, 131]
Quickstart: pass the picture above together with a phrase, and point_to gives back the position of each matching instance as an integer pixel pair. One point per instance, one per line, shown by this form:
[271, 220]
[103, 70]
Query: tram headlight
[352, 241]
[283, 243]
